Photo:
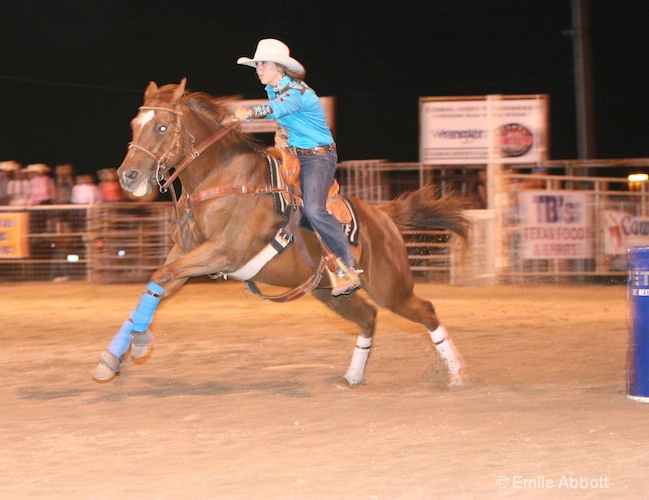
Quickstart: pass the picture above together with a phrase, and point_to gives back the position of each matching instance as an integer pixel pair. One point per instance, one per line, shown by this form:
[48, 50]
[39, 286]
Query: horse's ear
[180, 91]
[150, 91]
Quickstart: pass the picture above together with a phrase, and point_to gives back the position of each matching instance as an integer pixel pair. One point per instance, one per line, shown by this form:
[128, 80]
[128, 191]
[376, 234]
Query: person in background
[480, 189]
[537, 181]
[6, 169]
[64, 182]
[64, 220]
[299, 114]
[41, 185]
[18, 188]
[85, 191]
[4, 187]
[109, 186]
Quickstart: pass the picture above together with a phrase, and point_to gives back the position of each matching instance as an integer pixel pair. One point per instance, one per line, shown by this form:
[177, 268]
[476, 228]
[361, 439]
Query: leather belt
[318, 150]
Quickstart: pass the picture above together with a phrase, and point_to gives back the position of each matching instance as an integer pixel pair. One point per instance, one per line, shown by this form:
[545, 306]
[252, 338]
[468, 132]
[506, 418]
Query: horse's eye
[161, 128]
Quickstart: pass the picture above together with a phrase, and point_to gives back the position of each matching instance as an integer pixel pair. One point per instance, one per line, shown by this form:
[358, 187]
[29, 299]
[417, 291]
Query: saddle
[289, 167]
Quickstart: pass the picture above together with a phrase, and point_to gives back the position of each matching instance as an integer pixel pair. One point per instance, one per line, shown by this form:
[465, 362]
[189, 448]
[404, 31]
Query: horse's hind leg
[422, 311]
[353, 308]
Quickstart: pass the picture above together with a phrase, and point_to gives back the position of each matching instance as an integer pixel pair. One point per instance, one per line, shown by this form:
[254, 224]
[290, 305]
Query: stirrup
[347, 279]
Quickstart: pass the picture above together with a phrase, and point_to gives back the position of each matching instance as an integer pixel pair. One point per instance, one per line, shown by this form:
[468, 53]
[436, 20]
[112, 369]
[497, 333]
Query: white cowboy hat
[275, 51]
[9, 166]
[38, 167]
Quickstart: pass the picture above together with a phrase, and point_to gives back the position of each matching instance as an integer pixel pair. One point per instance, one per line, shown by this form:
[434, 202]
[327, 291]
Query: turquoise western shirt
[296, 108]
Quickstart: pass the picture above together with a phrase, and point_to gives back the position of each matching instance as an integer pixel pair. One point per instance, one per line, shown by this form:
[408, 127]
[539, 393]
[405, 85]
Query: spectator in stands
[64, 182]
[6, 172]
[85, 191]
[479, 190]
[537, 181]
[19, 188]
[4, 187]
[109, 186]
[41, 185]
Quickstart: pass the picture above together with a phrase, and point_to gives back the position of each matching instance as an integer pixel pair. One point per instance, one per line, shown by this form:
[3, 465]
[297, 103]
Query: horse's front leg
[135, 333]
[135, 330]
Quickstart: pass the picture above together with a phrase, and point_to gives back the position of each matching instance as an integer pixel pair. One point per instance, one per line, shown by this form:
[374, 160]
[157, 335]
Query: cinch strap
[254, 265]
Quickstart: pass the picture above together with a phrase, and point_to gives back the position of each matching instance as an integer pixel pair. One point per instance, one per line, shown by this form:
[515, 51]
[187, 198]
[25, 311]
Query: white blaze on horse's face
[138, 124]
[142, 119]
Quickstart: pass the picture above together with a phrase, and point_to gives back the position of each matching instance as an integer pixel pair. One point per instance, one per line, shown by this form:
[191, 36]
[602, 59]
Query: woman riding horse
[226, 224]
[300, 115]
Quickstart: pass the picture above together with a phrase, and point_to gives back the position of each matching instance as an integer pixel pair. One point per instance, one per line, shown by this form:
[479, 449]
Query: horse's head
[159, 139]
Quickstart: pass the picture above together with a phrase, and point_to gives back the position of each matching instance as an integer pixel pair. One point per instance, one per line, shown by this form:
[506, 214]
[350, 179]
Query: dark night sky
[73, 73]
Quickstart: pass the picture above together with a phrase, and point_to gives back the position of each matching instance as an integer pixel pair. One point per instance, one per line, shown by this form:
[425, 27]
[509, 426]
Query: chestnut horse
[226, 224]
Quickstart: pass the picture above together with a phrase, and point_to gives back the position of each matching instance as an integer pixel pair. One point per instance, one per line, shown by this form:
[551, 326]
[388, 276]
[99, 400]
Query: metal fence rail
[115, 242]
[129, 241]
[44, 243]
[126, 242]
[602, 195]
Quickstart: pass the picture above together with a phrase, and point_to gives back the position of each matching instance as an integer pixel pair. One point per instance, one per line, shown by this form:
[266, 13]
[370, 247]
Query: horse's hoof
[141, 343]
[343, 383]
[456, 381]
[107, 367]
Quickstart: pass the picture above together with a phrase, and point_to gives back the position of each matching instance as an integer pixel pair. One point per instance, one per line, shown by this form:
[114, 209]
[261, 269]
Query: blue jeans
[317, 176]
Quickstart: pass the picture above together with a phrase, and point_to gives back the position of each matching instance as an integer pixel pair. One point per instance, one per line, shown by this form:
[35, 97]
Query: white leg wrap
[356, 368]
[447, 350]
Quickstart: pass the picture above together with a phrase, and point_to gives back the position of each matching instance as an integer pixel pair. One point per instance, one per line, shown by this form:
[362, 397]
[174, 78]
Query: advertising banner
[555, 225]
[623, 230]
[481, 130]
[14, 228]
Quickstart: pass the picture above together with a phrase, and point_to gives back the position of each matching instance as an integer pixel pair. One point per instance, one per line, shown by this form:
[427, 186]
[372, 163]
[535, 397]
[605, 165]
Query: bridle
[192, 152]
[189, 155]
[161, 161]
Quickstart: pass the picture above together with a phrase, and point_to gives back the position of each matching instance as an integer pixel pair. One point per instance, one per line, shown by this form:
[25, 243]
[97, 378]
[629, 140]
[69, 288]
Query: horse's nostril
[131, 174]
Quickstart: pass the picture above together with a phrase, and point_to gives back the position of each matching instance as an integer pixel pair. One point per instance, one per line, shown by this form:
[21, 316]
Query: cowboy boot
[347, 279]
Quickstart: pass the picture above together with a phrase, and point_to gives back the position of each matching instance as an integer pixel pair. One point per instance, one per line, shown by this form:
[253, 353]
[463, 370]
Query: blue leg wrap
[143, 315]
[140, 319]
[121, 342]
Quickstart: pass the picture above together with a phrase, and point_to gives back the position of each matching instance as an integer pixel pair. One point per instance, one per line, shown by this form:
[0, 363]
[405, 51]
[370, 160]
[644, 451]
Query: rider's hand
[242, 114]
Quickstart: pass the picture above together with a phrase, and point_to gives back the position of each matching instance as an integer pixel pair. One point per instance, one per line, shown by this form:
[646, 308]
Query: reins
[196, 152]
[191, 154]
[291, 229]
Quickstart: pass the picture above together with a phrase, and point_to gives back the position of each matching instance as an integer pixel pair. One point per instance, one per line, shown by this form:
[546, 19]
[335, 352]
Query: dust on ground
[237, 399]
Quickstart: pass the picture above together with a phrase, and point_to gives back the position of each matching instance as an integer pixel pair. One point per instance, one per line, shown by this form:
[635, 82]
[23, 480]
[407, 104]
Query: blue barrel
[637, 361]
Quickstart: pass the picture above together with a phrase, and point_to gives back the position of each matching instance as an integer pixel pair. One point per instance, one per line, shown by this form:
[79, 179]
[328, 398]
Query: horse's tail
[425, 209]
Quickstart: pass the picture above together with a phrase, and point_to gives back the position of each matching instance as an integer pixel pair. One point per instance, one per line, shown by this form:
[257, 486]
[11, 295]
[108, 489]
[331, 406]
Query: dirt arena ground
[237, 399]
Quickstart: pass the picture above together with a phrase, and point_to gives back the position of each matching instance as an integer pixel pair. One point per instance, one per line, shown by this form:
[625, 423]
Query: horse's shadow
[167, 388]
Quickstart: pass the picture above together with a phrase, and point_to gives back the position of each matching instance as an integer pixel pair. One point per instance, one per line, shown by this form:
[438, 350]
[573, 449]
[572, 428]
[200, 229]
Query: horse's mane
[213, 110]
[218, 110]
